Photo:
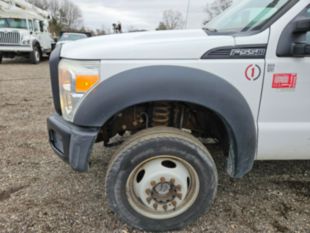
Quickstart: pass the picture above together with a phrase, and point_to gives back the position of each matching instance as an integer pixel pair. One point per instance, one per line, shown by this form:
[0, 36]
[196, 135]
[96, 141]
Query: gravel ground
[39, 193]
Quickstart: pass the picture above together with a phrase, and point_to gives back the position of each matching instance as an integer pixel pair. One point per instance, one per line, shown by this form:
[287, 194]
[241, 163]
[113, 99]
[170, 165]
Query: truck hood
[21, 30]
[157, 45]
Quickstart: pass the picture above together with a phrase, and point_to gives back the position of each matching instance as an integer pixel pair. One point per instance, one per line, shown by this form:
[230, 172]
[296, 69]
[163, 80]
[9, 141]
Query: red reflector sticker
[284, 81]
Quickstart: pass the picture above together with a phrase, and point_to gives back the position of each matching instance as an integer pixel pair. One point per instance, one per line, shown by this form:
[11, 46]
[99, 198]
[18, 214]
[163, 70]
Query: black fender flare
[176, 83]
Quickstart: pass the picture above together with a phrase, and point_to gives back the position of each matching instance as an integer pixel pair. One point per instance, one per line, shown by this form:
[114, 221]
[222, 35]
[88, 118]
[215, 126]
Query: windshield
[72, 37]
[246, 15]
[13, 23]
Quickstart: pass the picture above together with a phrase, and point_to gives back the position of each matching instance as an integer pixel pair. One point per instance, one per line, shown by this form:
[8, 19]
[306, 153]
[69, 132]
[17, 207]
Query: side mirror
[302, 26]
[300, 49]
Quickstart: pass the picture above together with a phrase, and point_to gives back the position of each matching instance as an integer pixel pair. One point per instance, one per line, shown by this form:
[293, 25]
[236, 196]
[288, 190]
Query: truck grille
[9, 38]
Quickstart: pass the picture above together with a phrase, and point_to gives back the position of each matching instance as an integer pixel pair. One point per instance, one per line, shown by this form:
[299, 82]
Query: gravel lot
[39, 193]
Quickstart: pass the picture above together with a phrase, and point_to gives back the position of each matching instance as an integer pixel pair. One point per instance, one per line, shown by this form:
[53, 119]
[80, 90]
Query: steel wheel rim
[165, 191]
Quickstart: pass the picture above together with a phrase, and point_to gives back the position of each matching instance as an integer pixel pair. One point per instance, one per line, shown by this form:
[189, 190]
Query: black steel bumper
[71, 143]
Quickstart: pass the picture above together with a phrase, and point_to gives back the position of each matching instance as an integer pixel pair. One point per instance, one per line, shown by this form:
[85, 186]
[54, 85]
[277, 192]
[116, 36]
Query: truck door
[42, 35]
[36, 33]
[45, 37]
[284, 119]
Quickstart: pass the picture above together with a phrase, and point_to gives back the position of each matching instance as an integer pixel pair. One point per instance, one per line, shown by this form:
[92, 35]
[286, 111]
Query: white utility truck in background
[24, 31]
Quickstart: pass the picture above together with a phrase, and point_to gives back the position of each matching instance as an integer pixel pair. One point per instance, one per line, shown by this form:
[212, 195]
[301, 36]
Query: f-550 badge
[253, 72]
[248, 52]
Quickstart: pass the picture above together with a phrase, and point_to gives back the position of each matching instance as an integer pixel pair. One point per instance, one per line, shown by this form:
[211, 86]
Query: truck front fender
[175, 83]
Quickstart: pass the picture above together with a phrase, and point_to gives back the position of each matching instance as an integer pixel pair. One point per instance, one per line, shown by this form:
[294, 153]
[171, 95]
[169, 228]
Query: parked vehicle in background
[24, 31]
[242, 82]
[71, 36]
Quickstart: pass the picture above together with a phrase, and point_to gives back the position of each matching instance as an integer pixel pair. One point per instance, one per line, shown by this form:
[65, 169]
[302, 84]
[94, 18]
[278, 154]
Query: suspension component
[161, 114]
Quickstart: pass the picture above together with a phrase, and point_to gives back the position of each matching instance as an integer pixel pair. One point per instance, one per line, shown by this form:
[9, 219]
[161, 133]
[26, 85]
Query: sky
[138, 14]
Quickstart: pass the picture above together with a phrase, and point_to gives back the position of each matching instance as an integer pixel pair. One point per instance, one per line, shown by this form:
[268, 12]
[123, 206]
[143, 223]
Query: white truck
[243, 83]
[24, 31]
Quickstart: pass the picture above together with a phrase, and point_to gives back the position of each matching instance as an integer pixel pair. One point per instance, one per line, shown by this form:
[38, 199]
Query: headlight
[26, 42]
[76, 78]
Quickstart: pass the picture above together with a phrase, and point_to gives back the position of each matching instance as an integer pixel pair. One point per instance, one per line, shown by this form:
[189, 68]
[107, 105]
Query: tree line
[175, 20]
[67, 16]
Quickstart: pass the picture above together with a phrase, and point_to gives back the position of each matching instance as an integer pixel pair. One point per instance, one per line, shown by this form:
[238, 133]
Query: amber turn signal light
[84, 82]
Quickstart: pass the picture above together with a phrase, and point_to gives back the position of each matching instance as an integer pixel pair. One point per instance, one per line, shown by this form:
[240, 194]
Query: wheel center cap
[162, 188]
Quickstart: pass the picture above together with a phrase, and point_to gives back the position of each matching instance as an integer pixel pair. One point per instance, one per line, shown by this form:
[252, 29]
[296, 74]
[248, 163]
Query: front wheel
[161, 179]
[35, 55]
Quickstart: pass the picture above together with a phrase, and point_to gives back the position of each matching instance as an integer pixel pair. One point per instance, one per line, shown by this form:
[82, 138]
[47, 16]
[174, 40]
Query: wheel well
[201, 122]
[37, 44]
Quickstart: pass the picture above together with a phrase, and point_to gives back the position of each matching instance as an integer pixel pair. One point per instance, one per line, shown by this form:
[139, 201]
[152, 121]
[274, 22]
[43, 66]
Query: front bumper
[15, 49]
[71, 143]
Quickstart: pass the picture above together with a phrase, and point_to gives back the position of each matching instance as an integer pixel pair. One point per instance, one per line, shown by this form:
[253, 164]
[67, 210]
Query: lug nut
[149, 199]
[153, 183]
[179, 195]
[165, 207]
[174, 203]
[155, 206]
[162, 179]
[148, 192]
[178, 187]
[172, 181]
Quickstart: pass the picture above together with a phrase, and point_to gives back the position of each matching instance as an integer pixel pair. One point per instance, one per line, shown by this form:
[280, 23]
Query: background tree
[171, 20]
[161, 27]
[65, 14]
[215, 8]
[71, 14]
[42, 4]
[101, 31]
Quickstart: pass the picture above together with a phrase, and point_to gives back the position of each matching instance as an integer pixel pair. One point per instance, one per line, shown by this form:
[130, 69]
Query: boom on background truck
[243, 82]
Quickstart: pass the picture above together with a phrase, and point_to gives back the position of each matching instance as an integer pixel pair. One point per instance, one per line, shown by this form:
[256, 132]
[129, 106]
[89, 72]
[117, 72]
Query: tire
[169, 203]
[35, 55]
[1, 58]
